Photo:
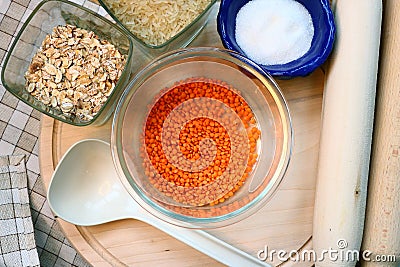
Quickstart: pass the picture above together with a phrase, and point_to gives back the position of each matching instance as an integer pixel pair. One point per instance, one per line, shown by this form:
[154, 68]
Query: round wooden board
[283, 223]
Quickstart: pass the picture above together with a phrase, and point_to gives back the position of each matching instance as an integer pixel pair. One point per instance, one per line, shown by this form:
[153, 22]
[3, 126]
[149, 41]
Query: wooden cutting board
[283, 223]
[382, 227]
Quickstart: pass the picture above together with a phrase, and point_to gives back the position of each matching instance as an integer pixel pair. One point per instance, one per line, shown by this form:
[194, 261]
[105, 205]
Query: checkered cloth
[17, 240]
[19, 132]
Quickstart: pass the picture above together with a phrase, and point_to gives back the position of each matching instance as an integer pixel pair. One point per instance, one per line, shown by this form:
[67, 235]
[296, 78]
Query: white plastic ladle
[85, 190]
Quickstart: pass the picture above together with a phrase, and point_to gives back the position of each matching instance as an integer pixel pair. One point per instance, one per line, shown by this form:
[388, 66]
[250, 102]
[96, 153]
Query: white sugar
[274, 31]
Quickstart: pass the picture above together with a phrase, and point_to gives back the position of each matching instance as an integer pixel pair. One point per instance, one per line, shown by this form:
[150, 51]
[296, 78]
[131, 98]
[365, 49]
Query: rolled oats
[74, 71]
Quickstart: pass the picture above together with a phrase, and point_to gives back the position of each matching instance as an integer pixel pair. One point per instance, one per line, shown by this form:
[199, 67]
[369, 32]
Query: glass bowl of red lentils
[201, 137]
[70, 63]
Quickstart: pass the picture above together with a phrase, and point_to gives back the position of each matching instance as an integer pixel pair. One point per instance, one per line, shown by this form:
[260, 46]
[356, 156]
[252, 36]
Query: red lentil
[194, 150]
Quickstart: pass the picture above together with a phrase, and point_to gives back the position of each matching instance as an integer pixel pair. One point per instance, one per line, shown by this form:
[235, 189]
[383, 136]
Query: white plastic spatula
[85, 190]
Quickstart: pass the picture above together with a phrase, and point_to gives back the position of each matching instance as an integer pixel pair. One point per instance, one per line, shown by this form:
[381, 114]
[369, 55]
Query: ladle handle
[206, 243]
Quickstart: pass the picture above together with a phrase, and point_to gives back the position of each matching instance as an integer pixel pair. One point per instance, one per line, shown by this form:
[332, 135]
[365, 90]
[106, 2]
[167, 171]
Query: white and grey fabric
[17, 240]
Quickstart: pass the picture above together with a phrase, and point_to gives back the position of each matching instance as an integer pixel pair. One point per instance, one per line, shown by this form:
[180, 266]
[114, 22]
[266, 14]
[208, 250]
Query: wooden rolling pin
[382, 224]
[346, 134]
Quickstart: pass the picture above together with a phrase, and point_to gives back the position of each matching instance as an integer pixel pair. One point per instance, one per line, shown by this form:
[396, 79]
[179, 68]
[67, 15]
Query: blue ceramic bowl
[321, 45]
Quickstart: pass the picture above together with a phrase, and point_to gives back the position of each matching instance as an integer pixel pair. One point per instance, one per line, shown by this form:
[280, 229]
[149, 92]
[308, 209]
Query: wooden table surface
[283, 223]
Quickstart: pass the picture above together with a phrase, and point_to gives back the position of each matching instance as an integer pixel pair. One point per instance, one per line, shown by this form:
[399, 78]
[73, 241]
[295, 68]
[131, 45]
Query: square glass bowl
[180, 40]
[46, 16]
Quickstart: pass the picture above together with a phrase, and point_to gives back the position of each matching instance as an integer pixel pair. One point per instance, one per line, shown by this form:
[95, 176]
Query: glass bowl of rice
[161, 26]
